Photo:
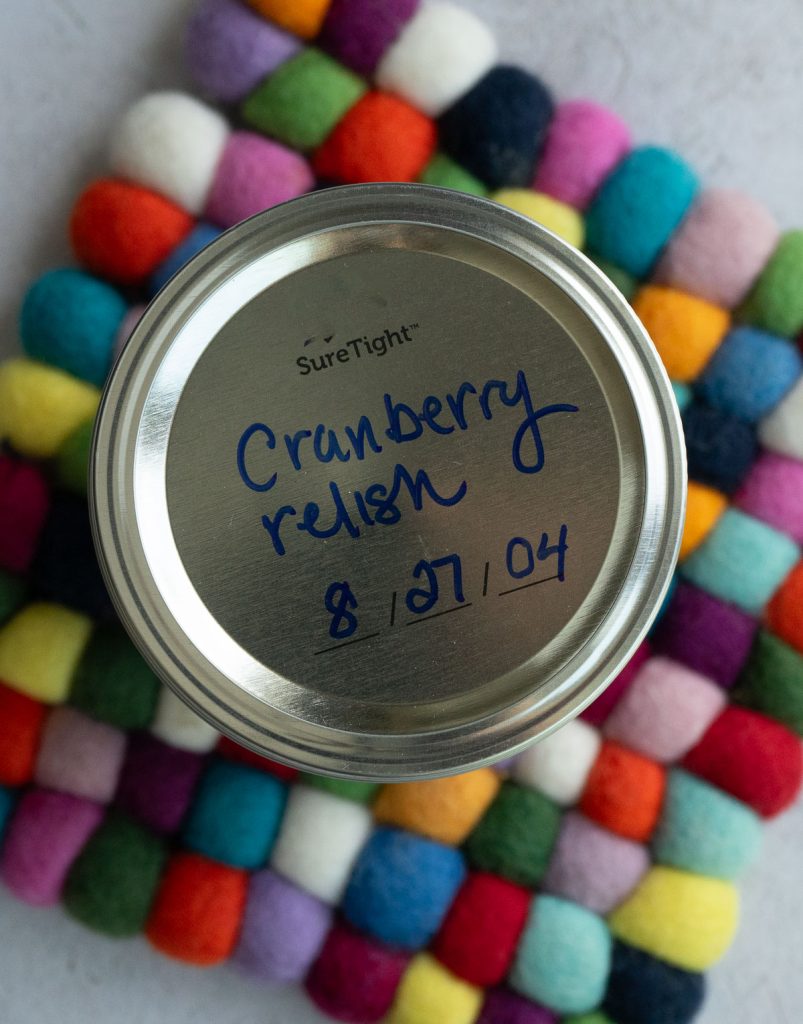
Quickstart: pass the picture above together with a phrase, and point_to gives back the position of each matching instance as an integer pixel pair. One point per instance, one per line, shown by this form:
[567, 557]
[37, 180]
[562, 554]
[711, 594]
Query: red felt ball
[478, 939]
[198, 909]
[382, 138]
[21, 721]
[242, 755]
[123, 232]
[355, 978]
[24, 503]
[624, 792]
[753, 758]
[785, 613]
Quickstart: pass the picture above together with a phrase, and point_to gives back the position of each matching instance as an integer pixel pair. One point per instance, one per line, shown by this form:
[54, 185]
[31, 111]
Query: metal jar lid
[388, 482]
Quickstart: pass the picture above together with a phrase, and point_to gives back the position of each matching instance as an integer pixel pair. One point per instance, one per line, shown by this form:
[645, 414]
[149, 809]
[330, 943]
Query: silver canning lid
[388, 482]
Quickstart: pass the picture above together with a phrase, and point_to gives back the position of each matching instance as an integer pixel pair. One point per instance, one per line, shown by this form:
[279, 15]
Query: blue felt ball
[721, 448]
[70, 320]
[750, 373]
[638, 208]
[401, 888]
[497, 130]
[196, 240]
[643, 990]
[236, 814]
[705, 831]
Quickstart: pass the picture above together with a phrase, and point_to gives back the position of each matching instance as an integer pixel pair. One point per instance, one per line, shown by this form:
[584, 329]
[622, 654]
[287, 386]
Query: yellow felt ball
[41, 406]
[40, 649]
[303, 18]
[703, 509]
[429, 993]
[685, 330]
[557, 217]
[446, 810]
[687, 920]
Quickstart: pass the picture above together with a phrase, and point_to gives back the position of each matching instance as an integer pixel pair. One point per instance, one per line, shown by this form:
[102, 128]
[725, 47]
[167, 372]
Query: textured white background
[720, 80]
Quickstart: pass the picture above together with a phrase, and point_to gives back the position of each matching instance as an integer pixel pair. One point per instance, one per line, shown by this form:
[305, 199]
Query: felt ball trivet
[593, 881]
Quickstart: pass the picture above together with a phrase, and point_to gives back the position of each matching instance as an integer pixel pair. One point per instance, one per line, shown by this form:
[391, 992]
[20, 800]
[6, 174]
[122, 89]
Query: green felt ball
[72, 462]
[358, 792]
[302, 102]
[516, 836]
[588, 1018]
[111, 885]
[705, 831]
[776, 302]
[113, 683]
[13, 592]
[443, 172]
[626, 283]
[772, 681]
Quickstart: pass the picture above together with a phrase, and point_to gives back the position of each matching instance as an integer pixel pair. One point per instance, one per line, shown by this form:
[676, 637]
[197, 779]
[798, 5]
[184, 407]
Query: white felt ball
[179, 726]
[319, 841]
[782, 430]
[171, 143]
[442, 53]
[559, 765]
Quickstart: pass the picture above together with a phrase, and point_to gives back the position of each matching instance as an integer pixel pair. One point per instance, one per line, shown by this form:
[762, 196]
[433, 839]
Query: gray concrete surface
[720, 80]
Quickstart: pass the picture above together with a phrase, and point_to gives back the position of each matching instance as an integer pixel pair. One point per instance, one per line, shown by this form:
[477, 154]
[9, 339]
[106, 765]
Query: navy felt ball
[66, 570]
[721, 448]
[643, 990]
[497, 130]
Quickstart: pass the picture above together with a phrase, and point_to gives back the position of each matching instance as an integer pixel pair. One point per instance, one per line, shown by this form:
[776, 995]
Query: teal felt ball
[639, 207]
[6, 806]
[705, 831]
[564, 957]
[236, 815]
[69, 319]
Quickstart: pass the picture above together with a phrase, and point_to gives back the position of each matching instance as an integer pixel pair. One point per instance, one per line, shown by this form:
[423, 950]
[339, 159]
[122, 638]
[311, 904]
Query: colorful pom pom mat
[594, 880]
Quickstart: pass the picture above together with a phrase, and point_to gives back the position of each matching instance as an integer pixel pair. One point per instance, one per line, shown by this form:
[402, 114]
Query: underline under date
[439, 590]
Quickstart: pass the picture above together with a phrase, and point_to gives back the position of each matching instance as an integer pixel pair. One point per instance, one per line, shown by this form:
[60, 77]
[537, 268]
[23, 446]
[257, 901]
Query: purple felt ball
[359, 32]
[773, 493]
[593, 867]
[46, 834]
[253, 175]
[157, 782]
[229, 49]
[708, 635]
[502, 1006]
[283, 929]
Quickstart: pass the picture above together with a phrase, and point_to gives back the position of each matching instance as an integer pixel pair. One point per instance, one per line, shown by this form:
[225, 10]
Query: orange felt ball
[382, 138]
[624, 792]
[303, 18]
[703, 509]
[198, 909]
[685, 330]
[123, 232]
[445, 810]
[785, 612]
[21, 721]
